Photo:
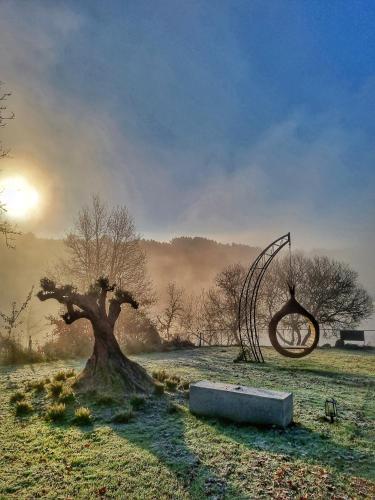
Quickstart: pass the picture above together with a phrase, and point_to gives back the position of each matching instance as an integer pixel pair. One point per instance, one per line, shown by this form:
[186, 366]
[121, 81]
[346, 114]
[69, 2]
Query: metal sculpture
[311, 339]
[247, 309]
[247, 321]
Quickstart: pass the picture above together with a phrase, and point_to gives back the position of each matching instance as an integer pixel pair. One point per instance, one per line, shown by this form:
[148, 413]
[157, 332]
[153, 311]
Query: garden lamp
[331, 409]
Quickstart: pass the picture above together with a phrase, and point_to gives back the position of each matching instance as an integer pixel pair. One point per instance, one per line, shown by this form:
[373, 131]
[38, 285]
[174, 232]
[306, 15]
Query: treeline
[188, 289]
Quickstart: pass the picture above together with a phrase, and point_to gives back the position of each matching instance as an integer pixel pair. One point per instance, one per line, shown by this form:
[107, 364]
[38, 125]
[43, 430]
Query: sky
[236, 120]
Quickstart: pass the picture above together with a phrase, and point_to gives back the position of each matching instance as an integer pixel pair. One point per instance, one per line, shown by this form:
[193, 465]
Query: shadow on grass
[348, 379]
[162, 433]
[299, 442]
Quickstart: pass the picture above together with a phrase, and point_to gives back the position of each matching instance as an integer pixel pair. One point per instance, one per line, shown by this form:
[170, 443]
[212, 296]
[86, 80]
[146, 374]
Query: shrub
[59, 376]
[160, 375]
[55, 388]
[15, 354]
[17, 396]
[184, 385]
[123, 417]
[82, 416]
[39, 385]
[23, 408]
[66, 395]
[68, 341]
[70, 373]
[36, 385]
[159, 388]
[177, 343]
[56, 412]
[176, 378]
[171, 385]
[138, 401]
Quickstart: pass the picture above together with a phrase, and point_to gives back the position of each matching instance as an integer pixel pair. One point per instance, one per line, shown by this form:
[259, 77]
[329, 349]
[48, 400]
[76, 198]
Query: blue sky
[238, 120]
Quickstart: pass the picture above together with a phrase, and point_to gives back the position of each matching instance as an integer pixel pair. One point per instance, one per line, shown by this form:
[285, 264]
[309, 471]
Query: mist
[178, 167]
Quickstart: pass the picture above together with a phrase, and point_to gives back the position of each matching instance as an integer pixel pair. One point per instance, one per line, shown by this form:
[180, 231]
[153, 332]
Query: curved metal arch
[247, 326]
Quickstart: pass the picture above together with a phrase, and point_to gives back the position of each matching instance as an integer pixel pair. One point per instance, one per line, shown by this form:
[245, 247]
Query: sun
[19, 198]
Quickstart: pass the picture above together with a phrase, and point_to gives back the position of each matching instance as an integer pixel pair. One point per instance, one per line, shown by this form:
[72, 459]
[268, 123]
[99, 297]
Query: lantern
[331, 409]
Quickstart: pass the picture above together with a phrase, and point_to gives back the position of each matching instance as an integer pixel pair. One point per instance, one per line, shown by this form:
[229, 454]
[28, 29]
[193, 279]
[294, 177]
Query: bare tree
[199, 321]
[329, 289]
[108, 369]
[222, 301]
[6, 229]
[5, 116]
[14, 318]
[10, 340]
[173, 310]
[104, 242]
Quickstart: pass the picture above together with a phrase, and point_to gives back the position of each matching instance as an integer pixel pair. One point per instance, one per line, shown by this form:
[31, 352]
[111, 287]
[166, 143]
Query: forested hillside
[191, 262]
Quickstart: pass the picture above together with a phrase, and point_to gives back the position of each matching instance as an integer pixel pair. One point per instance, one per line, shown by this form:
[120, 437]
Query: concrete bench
[241, 403]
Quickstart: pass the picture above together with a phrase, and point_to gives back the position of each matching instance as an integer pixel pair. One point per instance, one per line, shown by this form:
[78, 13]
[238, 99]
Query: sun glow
[19, 198]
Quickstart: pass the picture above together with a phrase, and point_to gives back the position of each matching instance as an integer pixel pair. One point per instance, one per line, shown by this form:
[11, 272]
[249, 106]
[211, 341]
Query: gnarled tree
[108, 369]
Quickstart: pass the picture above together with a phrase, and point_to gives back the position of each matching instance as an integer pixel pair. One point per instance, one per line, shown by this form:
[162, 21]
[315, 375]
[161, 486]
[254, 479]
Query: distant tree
[10, 344]
[108, 369]
[14, 318]
[222, 301]
[68, 341]
[196, 322]
[168, 319]
[136, 332]
[329, 289]
[104, 242]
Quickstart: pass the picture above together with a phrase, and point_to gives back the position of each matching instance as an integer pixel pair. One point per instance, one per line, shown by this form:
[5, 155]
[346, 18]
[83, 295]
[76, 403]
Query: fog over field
[190, 262]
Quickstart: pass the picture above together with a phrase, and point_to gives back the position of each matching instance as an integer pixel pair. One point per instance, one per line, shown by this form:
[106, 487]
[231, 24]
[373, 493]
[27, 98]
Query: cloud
[181, 119]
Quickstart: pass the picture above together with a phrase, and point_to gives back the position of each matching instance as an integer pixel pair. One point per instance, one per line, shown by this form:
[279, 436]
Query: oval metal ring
[293, 307]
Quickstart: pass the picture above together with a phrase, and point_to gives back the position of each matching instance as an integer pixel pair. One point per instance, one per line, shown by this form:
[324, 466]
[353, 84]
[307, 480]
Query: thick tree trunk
[108, 370]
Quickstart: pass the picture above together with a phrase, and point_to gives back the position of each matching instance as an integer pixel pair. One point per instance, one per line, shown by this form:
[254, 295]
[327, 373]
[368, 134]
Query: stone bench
[241, 403]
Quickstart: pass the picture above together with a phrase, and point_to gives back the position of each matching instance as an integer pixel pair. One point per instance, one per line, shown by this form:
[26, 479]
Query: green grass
[137, 402]
[165, 452]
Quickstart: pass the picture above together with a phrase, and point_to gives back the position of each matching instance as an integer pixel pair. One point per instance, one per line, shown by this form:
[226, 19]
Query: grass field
[165, 452]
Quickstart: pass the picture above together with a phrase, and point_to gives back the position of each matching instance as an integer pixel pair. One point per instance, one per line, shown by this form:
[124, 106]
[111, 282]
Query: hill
[190, 262]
